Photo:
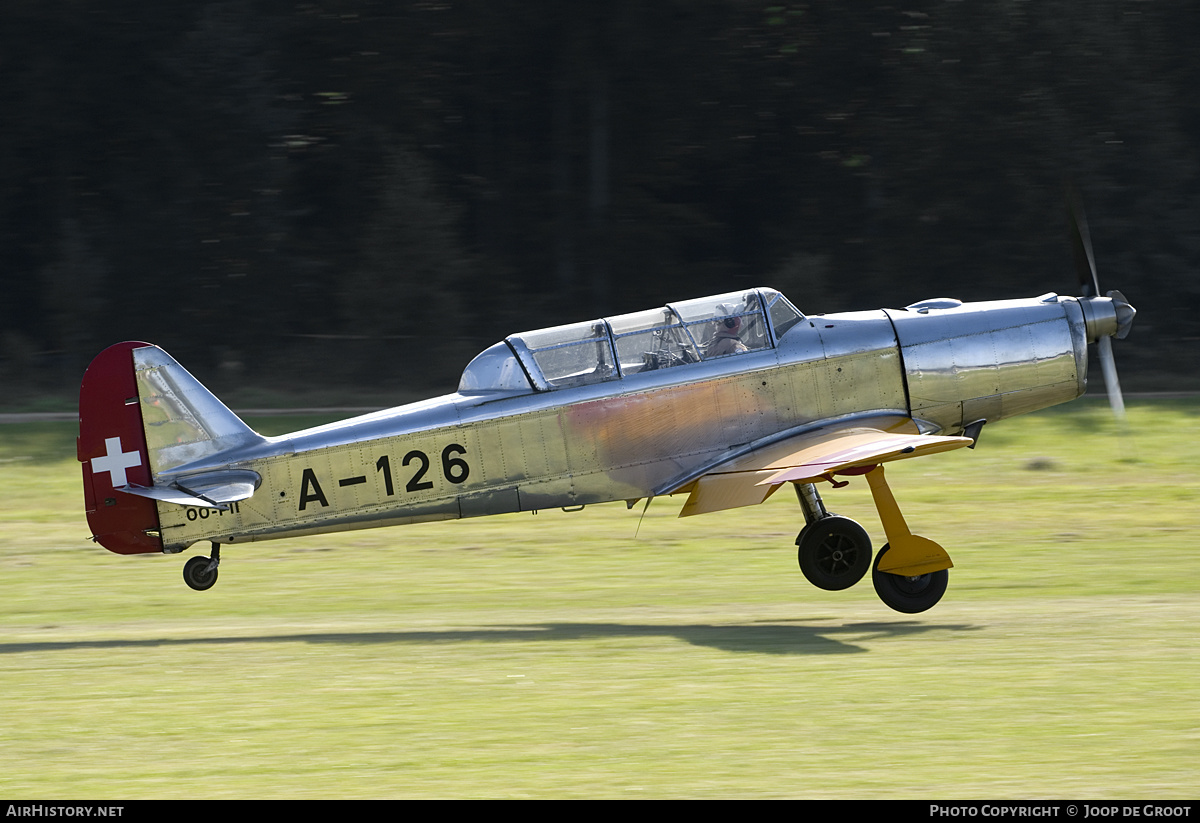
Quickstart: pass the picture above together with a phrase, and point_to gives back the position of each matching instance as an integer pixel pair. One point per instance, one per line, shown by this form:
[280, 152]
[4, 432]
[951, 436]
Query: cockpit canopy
[596, 351]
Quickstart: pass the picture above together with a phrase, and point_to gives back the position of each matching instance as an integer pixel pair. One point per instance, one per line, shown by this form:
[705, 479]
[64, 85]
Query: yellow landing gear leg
[910, 571]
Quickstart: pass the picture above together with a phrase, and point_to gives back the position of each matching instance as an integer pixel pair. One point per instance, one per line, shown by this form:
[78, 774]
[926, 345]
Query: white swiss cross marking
[115, 462]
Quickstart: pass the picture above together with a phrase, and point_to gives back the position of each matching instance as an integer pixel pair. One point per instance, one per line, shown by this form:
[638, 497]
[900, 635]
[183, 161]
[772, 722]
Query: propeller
[1107, 317]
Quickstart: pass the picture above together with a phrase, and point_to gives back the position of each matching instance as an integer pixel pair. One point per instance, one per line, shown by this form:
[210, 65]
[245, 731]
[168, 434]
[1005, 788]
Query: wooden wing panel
[751, 478]
[727, 490]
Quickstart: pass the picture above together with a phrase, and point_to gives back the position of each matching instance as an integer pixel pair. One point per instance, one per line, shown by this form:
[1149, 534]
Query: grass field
[559, 656]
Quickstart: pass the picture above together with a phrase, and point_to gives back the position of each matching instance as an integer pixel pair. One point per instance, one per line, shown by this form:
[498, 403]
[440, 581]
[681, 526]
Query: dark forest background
[362, 195]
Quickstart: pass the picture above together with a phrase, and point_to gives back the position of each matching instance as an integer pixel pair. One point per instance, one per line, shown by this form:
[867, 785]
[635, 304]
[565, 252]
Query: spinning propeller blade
[1081, 244]
[1109, 367]
[1111, 315]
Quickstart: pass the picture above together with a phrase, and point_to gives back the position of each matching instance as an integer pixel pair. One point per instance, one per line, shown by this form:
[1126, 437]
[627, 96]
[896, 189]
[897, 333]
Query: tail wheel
[834, 552]
[910, 595]
[198, 575]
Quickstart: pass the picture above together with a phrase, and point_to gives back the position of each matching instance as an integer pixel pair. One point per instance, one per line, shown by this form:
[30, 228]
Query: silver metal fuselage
[944, 364]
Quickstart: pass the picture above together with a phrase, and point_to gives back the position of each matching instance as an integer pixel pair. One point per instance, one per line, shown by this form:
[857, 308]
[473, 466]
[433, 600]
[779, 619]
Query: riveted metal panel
[988, 360]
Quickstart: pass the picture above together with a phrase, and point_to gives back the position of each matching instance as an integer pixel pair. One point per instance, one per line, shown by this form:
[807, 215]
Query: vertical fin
[183, 421]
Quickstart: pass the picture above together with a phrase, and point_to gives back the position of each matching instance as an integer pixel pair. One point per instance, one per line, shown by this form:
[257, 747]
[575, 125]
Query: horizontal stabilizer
[210, 490]
[169, 495]
[222, 487]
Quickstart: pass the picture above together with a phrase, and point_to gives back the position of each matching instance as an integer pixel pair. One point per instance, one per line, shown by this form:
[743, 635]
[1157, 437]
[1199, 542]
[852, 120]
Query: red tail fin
[112, 449]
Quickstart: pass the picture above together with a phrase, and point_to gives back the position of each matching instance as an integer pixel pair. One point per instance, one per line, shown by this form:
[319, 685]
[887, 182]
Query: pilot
[727, 340]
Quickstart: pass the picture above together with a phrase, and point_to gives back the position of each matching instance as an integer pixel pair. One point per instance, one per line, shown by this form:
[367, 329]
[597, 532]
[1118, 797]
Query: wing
[750, 478]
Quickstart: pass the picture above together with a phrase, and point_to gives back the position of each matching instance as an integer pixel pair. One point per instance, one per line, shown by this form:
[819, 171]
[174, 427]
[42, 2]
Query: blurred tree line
[367, 193]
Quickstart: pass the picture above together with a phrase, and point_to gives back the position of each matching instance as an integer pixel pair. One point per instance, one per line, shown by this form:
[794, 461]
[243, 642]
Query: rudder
[112, 448]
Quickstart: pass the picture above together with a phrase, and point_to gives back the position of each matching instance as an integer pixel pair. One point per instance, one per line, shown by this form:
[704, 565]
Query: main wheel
[834, 552]
[910, 595]
[196, 575]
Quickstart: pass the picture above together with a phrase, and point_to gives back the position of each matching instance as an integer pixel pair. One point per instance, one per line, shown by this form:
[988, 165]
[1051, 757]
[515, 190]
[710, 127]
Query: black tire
[194, 574]
[910, 595]
[834, 552]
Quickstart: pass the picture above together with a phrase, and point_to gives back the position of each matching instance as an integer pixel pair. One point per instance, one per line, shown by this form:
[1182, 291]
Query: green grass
[560, 656]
